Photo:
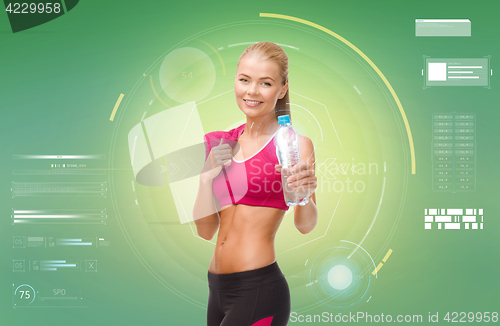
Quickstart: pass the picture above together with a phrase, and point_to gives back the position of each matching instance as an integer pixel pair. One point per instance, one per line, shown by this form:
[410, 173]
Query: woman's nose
[252, 89]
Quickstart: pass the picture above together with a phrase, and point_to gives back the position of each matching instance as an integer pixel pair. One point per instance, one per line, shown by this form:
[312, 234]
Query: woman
[242, 197]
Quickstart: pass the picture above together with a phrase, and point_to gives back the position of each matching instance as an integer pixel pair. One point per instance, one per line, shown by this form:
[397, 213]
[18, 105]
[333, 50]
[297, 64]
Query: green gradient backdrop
[59, 84]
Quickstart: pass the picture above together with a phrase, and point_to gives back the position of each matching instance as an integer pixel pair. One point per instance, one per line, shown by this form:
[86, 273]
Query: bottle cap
[282, 119]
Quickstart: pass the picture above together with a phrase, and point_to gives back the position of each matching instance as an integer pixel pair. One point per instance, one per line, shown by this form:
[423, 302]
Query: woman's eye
[267, 84]
[243, 80]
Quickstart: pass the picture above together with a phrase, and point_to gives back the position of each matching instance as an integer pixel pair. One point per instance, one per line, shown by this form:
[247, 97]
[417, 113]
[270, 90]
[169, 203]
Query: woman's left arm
[305, 182]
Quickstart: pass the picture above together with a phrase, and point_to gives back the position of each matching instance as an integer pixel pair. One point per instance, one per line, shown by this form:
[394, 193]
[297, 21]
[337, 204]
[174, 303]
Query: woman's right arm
[205, 213]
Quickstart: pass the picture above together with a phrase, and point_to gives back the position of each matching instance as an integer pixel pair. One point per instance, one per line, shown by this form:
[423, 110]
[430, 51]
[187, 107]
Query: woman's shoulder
[306, 147]
[214, 138]
[305, 141]
[230, 134]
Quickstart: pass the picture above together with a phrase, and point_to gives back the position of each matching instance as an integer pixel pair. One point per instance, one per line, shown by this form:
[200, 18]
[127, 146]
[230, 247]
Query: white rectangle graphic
[442, 27]
[436, 71]
[452, 225]
[443, 218]
[469, 219]
[454, 211]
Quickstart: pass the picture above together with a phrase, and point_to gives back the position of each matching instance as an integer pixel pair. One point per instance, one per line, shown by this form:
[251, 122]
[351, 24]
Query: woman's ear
[283, 91]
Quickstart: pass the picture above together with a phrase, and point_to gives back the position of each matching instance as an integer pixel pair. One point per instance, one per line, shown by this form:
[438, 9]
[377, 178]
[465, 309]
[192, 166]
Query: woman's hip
[248, 279]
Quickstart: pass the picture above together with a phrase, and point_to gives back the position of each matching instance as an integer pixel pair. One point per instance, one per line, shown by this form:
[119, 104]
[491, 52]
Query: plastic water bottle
[287, 143]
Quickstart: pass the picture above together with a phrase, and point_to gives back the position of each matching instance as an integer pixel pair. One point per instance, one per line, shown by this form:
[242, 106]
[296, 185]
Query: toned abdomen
[246, 238]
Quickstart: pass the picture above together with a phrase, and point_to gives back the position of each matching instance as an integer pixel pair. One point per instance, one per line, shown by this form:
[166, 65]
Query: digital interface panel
[457, 72]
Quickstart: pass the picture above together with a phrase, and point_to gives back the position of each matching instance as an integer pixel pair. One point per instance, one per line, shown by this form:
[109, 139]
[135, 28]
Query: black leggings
[259, 297]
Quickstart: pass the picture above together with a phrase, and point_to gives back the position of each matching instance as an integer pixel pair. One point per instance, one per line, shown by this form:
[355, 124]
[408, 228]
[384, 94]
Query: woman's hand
[302, 179]
[219, 156]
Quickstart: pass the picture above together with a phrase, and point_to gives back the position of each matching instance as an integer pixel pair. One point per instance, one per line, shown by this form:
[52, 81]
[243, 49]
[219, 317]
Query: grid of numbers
[453, 152]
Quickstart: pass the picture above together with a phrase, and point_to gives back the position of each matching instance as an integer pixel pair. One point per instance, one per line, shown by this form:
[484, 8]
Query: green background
[60, 82]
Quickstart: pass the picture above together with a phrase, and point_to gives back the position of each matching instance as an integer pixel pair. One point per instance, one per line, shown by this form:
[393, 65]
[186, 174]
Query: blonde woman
[240, 195]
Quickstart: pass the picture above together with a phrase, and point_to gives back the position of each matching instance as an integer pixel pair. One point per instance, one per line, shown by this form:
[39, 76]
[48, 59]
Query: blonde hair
[272, 51]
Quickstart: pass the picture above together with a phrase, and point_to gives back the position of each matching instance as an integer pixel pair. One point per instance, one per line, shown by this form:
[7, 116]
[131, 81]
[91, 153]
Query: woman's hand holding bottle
[302, 179]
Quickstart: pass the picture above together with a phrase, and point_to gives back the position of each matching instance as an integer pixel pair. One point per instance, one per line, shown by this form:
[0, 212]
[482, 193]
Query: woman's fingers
[222, 149]
[301, 175]
[219, 157]
[306, 189]
[221, 154]
[222, 146]
[303, 182]
[223, 157]
[301, 166]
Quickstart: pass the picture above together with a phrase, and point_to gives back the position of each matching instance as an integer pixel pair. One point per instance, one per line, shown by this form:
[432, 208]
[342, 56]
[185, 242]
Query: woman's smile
[252, 103]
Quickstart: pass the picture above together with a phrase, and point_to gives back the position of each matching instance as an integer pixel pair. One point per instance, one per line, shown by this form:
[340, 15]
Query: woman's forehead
[255, 67]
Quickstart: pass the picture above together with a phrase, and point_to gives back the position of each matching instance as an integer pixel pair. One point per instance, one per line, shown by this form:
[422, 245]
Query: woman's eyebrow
[241, 74]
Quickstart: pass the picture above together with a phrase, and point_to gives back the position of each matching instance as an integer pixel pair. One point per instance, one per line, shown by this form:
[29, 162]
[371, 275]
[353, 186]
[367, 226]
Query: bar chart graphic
[454, 218]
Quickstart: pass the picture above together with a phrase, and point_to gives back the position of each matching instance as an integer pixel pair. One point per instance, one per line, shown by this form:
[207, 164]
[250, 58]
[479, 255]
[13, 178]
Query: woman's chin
[254, 112]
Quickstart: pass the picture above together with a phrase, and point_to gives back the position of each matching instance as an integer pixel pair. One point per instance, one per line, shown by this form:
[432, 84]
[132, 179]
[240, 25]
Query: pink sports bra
[253, 181]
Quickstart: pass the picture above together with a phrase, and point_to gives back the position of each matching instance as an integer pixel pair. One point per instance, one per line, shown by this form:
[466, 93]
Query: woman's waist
[243, 245]
[239, 255]
[245, 279]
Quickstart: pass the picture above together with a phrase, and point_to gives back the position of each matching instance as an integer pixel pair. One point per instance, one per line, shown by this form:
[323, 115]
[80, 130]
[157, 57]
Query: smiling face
[258, 85]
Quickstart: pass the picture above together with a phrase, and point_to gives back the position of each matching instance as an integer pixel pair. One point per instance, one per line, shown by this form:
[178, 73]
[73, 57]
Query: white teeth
[252, 102]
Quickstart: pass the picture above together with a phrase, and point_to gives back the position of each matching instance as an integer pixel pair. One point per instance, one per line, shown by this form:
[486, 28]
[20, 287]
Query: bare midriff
[246, 238]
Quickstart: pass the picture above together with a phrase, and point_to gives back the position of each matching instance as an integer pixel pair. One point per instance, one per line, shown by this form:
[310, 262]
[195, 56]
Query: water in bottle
[287, 143]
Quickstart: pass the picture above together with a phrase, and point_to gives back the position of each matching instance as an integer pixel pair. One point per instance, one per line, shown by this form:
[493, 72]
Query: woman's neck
[260, 126]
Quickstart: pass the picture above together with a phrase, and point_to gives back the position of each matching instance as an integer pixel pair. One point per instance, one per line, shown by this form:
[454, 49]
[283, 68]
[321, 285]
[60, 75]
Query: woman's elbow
[206, 230]
[306, 230]
[205, 236]
[202, 233]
